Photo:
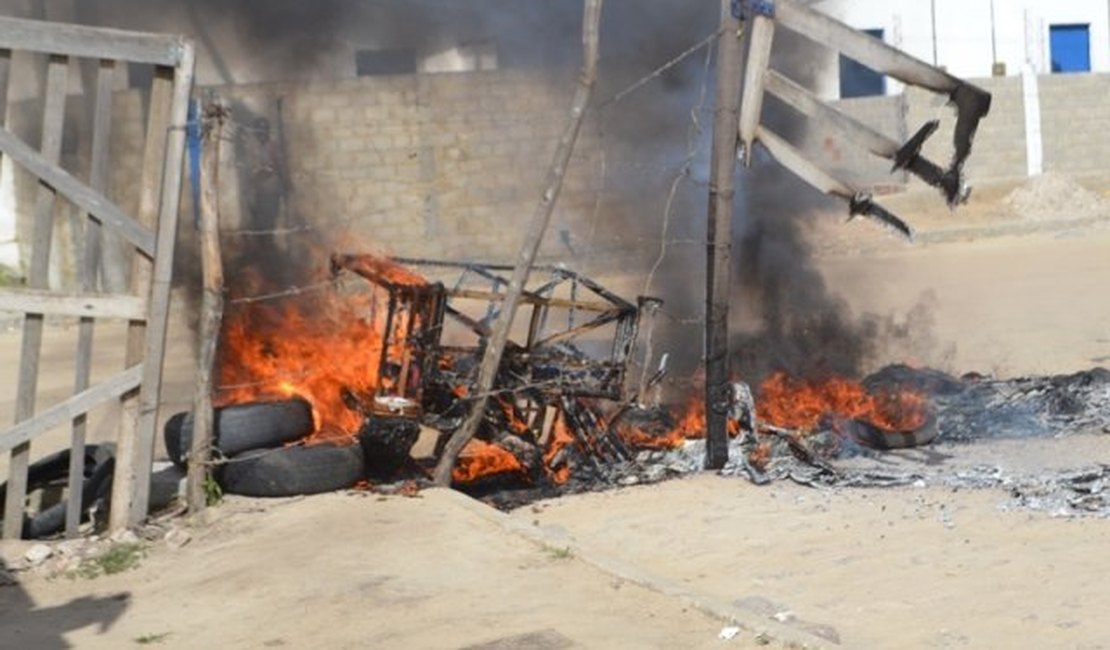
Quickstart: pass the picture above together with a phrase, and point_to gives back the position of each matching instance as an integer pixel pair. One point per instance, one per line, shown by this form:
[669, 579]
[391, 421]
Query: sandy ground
[353, 571]
[893, 568]
[881, 569]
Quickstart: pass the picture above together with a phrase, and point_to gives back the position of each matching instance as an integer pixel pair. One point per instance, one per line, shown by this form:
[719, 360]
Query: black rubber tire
[242, 427]
[97, 487]
[55, 468]
[289, 471]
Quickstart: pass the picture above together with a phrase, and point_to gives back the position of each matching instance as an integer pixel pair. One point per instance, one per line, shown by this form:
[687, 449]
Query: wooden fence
[147, 239]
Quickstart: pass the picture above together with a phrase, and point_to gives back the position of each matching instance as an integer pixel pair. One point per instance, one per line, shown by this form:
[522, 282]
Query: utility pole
[722, 195]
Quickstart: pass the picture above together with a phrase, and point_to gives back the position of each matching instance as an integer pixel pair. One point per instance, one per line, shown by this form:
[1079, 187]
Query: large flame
[795, 404]
[801, 404]
[314, 345]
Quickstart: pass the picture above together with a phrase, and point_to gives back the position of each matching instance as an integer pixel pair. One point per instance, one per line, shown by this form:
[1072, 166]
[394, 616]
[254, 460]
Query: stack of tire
[252, 443]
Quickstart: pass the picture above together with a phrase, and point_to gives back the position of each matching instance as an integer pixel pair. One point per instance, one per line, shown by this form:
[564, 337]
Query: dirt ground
[660, 566]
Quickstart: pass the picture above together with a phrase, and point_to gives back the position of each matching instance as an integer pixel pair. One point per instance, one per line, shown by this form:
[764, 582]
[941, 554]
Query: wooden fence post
[212, 305]
[37, 278]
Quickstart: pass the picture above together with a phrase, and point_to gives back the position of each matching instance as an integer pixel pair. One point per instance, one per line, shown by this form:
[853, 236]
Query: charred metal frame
[546, 365]
[410, 336]
[549, 362]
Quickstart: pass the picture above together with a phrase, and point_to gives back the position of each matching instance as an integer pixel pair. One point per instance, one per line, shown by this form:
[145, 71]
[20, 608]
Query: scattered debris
[38, 554]
[1056, 196]
[177, 538]
[728, 633]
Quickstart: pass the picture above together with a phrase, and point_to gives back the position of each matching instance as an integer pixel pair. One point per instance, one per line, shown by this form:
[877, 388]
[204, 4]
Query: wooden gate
[147, 237]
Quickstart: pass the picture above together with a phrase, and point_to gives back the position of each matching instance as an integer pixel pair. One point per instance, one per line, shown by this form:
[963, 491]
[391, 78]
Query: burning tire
[872, 436]
[242, 427]
[99, 464]
[290, 471]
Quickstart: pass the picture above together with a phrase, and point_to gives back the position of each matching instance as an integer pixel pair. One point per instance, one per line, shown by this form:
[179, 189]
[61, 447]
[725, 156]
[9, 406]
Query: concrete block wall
[451, 165]
[999, 148]
[443, 165]
[853, 163]
[1075, 123]
[1075, 127]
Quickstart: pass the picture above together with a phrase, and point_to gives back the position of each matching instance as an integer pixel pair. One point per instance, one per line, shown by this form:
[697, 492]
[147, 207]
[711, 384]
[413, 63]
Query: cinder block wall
[1075, 127]
[852, 163]
[451, 165]
[999, 147]
[1075, 123]
[444, 165]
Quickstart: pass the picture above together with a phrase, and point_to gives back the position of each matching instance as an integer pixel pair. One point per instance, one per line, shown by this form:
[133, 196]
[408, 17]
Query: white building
[974, 38]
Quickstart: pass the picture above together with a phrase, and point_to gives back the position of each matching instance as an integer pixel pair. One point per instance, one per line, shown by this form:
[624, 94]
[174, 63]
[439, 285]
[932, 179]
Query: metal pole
[722, 193]
[933, 9]
[994, 38]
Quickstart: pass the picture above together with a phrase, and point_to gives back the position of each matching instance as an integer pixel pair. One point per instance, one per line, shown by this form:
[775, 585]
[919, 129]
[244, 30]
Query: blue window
[1071, 48]
[858, 80]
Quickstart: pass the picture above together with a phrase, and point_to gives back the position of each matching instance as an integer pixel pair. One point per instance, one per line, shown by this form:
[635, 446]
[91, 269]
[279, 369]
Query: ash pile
[1032, 437]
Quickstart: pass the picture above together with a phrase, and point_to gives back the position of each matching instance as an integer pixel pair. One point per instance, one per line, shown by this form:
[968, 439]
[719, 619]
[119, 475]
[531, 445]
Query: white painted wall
[963, 37]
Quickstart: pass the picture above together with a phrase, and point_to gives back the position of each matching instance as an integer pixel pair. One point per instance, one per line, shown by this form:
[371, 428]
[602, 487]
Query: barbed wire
[284, 293]
[640, 83]
[693, 135]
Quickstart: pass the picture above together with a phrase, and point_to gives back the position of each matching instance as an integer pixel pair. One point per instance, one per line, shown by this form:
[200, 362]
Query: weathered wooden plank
[154, 153]
[114, 251]
[102, 124]
[83, 196]
[63, 412]
[91, 42]
[158, 317]
[84, 305]
[37, 278]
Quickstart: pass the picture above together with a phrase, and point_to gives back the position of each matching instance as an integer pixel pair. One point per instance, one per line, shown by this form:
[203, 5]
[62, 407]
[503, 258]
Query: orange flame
[312, 345]
[800, 404]
[479, 458]
[691, 425]
[560, 438]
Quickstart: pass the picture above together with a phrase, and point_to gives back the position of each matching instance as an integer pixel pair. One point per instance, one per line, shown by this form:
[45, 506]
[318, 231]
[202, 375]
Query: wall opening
[1070, 46]
[385, 62]
[858, 80]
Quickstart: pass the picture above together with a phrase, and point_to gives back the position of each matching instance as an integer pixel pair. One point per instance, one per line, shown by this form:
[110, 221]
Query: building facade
[973, 38]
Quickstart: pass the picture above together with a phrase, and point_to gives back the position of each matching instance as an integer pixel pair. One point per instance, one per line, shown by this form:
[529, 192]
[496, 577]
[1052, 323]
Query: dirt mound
[1056, 196]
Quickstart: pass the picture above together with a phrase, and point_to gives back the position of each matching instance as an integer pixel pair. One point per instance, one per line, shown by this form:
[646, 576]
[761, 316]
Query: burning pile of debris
[353, 376]
[382, 354]
[338, 387]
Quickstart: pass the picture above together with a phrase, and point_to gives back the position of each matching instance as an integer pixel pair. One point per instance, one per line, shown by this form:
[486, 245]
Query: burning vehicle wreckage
[337, 391]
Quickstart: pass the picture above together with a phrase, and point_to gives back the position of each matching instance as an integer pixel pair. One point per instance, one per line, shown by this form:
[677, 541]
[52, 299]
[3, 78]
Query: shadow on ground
[41, 628]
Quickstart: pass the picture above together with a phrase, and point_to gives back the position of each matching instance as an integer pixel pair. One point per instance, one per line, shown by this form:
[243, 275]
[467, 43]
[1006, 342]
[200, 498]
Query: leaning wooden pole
[722, 194]
[212, 307]
[495, 345]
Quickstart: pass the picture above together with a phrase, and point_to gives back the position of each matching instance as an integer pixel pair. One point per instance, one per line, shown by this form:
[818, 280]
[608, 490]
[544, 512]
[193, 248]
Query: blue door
[858, 80]
[1071, 48]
